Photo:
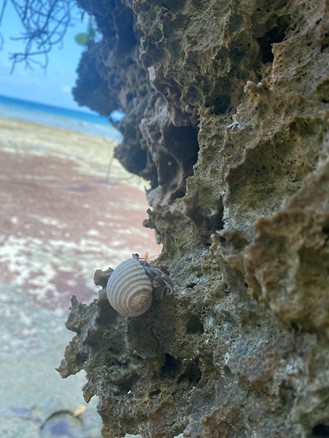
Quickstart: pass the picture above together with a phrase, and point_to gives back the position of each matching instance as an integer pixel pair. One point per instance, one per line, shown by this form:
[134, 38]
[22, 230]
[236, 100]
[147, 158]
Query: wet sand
[62, 217]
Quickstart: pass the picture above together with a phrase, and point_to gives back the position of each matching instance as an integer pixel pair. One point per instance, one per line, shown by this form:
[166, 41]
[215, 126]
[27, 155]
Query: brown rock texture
[227, 116]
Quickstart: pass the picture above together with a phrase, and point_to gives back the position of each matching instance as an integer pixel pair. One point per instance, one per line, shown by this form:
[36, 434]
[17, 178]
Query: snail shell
[129, 290]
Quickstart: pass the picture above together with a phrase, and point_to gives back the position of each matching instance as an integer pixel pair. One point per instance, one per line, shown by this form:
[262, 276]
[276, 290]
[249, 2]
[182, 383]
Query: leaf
[82, 39]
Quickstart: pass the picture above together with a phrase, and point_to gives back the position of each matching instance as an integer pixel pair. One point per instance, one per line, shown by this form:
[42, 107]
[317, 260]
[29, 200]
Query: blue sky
[52, 86]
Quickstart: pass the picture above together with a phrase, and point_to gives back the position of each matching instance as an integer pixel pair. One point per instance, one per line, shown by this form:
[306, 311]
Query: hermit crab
[133, 285]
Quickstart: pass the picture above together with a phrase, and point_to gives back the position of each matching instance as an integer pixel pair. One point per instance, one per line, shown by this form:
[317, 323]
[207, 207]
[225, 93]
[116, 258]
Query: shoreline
[92, 154]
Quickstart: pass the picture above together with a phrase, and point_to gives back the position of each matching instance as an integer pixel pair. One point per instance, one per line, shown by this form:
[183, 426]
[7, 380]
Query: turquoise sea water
[80, 121]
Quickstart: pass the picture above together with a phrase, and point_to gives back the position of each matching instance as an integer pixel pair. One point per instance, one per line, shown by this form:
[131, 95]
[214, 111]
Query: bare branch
[44, 23]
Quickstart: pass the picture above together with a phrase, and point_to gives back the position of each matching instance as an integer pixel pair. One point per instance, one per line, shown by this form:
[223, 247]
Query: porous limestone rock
[227, 111]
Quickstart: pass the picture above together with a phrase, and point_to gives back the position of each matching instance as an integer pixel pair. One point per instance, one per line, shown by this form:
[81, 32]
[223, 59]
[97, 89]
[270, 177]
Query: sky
[52, 86]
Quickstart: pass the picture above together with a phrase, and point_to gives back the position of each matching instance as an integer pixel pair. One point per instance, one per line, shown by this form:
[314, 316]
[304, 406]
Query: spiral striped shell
[129, 290]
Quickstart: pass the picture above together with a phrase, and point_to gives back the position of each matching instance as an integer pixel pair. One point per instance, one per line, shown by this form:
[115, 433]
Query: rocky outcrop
[227, 115]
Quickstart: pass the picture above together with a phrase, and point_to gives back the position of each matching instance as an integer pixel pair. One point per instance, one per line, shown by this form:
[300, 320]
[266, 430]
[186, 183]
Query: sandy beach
[67, 208]
[90, 154]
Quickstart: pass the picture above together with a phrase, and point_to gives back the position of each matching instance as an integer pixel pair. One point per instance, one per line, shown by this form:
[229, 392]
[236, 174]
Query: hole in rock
[275, 35]
[211, 220]
[191, 285]
[177, 156]
[227, 370]
[224, 243]
[81, 358]
[295, 326]
[194, 325]
[325, 230]
[178, 194]
[192, 373]
[171, 366]
[321, 430]
[127, 385]
[195, 214]
[214, 219]
[154, 393]
[182, 144]
[167, 169]
[221, 104]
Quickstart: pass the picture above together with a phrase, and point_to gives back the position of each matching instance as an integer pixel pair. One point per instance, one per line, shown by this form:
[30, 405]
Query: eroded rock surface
[227, 116]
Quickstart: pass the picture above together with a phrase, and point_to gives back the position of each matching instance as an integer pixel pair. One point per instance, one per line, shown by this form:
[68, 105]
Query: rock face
[227, 111]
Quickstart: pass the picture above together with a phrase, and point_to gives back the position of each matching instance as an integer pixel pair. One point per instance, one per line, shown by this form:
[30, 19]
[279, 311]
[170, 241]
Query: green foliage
[84, 38]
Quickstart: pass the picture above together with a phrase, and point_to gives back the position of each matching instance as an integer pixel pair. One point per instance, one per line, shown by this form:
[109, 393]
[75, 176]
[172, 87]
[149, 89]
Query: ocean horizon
[58, 117]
